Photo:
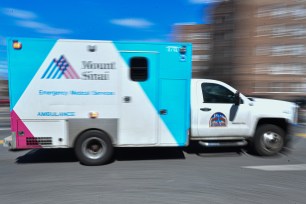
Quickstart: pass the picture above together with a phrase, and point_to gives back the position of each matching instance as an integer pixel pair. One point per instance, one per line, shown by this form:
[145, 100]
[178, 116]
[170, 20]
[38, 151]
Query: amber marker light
[17, 45]
[93, 114]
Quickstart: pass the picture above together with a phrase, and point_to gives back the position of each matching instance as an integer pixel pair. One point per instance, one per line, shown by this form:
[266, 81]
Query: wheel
[268, 140]
[93, 148]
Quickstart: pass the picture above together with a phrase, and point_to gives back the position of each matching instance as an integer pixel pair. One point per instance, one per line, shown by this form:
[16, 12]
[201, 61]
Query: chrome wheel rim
[272, 141]
[94, 148]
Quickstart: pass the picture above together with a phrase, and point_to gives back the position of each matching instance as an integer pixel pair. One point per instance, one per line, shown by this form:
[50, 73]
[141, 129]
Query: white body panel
[74, 78]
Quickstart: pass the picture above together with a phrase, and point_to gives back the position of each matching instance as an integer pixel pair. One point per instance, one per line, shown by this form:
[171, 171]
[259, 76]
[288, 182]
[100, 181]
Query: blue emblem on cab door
[218, 120]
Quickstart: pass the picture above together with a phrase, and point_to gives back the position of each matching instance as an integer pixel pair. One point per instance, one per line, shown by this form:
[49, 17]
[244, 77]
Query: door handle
[205, 109]
[127, 99]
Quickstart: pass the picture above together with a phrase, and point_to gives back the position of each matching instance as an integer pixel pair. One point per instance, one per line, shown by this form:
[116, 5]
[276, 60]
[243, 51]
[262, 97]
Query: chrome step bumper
[223, 143]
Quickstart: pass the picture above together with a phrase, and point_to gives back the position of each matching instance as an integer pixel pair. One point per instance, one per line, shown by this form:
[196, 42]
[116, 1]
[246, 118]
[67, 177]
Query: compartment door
[139, 84]
[174, 112]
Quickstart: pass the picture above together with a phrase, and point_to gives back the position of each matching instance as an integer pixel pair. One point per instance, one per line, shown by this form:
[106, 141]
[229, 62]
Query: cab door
[217, 114]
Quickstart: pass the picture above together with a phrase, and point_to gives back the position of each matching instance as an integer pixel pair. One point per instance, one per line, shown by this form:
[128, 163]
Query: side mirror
[237, 98]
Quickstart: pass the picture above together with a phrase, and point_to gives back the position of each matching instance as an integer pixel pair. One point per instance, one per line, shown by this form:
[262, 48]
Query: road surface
[155, 175]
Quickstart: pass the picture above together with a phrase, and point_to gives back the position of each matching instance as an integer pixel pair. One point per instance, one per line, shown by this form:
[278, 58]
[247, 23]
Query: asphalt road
[155, 175]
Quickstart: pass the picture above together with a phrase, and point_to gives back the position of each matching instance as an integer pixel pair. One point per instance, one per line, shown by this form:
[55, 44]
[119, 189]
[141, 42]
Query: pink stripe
[58, 66]
[75, 75]
[18, 126]
[14, 119]
[71, 72]
[67, 74]
[63, 70]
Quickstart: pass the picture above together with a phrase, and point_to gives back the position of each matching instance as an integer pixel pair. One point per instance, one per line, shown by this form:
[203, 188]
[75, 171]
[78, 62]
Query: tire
[268, 140]
[94, 148]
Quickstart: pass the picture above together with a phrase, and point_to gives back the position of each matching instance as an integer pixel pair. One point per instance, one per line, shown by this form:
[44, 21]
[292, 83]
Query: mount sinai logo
[60, 68]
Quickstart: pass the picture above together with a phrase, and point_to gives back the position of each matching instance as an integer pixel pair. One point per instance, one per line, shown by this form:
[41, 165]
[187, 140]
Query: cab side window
[215, 93]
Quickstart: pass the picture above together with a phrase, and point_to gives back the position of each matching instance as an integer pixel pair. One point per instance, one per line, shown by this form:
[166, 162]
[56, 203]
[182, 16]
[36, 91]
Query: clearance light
[93, 114]
[17, 45]
[183, 50]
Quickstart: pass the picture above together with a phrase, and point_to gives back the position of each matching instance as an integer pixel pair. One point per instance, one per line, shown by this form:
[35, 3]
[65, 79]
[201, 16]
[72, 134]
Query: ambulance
[95, 96]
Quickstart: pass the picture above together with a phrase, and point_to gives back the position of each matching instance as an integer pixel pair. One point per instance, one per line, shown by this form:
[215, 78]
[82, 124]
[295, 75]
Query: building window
[281, 30]
[281, 69]
[286, 69]
[288, 50]
[201, 47]
[139, 69]
[200, 58]
[281, 50]
[280, 87]
[195, 36]
[282, 11]
[289, 31]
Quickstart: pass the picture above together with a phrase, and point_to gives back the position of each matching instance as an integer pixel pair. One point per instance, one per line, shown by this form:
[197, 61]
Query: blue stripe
[46, 72]
[62, 72]
[56, 73]
[53, 69]
[59, 69]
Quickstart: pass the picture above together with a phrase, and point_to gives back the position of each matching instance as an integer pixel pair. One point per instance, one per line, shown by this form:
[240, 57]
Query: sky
[117, 20]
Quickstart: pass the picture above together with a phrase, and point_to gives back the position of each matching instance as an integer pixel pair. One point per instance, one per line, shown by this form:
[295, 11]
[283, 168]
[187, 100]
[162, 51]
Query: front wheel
[93, 148]
[268, 140]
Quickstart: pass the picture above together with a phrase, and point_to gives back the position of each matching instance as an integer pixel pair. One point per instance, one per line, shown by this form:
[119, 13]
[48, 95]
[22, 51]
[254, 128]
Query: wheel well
[102, 131]
[280, 122]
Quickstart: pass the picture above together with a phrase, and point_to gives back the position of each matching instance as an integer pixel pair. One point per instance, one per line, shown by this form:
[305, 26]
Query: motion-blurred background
[257, 46]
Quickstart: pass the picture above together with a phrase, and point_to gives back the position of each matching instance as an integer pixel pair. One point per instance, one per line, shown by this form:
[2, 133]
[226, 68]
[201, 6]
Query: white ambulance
[94, 96]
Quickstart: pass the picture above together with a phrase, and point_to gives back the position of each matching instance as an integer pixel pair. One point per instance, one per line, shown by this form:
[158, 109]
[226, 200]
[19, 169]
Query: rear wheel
[93, 148]
[268, 140]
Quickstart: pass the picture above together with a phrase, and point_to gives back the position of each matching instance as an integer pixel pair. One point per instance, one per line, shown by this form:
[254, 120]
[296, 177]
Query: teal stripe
[23, 64]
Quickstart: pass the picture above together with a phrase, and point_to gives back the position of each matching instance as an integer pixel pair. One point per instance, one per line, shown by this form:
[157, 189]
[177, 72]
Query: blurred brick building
[259, 47]
[200, 37]
[4, 96]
